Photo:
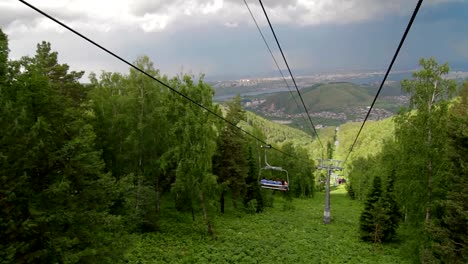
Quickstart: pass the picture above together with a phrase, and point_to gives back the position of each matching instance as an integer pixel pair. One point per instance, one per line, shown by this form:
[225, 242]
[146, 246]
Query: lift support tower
[330, 165]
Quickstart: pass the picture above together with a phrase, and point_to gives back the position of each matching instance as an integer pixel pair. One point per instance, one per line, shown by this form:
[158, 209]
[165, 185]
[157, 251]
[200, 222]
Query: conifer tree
[230, 162]
[253, 188]
[381, 215]
[393, 209]
[350, 190]
[54, 195]
[373, 216]
[4, 51]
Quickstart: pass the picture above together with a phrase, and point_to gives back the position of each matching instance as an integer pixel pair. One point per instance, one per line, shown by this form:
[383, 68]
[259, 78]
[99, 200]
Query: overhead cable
[274, 59]
[152, 77]
[290, 73]
[408, 27]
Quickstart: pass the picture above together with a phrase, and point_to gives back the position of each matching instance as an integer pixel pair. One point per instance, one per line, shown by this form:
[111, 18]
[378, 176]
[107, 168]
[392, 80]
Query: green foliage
[321, 97]
[60, 78]
[350, 191]
[268, 197]
[371, 141]
[274, 236]
[4, 50]
[337, 97]
[373, 216]
[393, 209]
[54, 194]
[278, 135]
[197, 137]
[381, 215]
[82, 167]
[251, 206]
[253, 195]
[130, 117]
[425, 168]
[301, 171]
[422, 141]
[449, 230]
[230, 160]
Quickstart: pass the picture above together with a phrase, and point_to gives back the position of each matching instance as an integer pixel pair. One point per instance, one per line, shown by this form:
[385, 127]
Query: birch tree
[421, 137]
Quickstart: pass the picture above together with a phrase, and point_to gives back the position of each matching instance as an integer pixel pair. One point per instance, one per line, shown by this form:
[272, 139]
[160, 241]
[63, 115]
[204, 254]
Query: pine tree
[54, 195]
[230, 162]
[253, 189]
[373, 216]
[393, 209]
[301, 172]
[380, 217]
[350, 190]
[4, 51]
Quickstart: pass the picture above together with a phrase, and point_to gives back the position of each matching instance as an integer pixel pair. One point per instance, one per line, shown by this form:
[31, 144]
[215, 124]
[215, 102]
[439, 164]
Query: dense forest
[411, 170]
[85, 166]
[98, 172]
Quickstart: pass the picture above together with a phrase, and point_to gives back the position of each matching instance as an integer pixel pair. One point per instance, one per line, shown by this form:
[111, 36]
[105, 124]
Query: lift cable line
[290, 73]
[152, 77]
[408, 27]
[274, 59]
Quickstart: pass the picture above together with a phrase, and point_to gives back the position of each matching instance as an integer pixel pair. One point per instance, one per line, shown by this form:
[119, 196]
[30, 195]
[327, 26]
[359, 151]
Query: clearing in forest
[290, 232]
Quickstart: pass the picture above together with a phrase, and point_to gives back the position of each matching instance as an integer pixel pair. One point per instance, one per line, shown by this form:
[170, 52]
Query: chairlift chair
[282, 185]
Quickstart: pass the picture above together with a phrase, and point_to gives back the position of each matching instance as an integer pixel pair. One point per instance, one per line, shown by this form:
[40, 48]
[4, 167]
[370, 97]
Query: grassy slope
[278, 134]
[370, 141]
[295, 235]
[372, 137]
[290, 232]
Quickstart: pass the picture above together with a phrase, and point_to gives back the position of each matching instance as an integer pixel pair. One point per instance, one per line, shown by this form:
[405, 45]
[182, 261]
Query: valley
[328, 104]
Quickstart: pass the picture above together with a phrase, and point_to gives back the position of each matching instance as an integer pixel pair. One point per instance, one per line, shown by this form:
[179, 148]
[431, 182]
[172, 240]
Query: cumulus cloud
[134, 27]
[150, 15]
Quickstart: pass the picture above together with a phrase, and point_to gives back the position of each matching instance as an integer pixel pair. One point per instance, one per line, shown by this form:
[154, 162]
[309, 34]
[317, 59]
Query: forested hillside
[321, 97]
[334, 96]
[83, 167]
[371, 140]
[282, 134]
[330, 104]
[125, 170]
[410, 170]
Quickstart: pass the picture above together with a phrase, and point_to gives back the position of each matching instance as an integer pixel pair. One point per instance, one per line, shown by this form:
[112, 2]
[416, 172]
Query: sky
[218, 37]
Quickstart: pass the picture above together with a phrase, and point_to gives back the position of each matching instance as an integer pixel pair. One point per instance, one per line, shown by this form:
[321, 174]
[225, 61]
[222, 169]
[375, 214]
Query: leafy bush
[251, 207]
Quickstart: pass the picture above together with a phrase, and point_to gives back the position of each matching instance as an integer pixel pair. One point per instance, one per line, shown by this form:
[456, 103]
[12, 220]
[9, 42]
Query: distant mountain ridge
[331, 96]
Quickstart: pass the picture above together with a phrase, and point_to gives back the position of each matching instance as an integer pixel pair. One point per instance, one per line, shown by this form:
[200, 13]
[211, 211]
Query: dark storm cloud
[222, 40]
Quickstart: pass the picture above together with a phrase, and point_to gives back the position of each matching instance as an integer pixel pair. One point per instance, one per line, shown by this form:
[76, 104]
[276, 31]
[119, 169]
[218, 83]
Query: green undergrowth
[290, 232]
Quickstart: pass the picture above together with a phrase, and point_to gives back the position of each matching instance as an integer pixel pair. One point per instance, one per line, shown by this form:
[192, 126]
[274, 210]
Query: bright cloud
[200, 33]
[150, 15]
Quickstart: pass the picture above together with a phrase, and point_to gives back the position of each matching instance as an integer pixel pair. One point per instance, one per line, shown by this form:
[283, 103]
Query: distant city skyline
[218, 38]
